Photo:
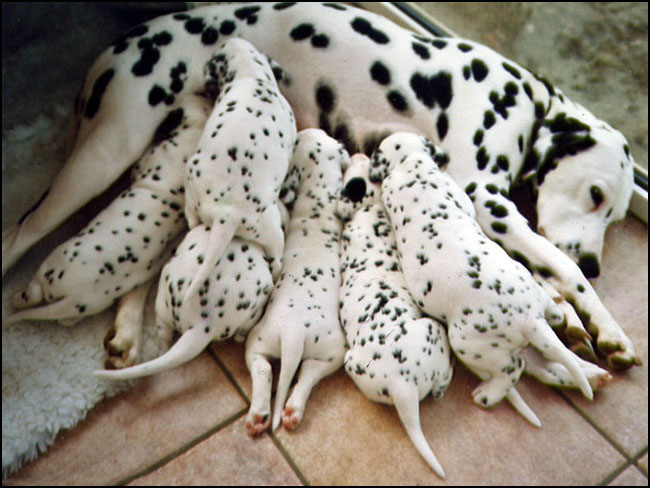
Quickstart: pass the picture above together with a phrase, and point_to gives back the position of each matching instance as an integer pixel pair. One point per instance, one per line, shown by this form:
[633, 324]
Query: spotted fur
[232, 302]
[495, 119]
[491, 304]
[232, 182]
[301, 322]
[395, 355]
[128, 242]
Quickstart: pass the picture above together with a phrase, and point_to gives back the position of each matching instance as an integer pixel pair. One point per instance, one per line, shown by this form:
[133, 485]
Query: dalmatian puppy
[491, 303]
[128, 242]
[234, 300]
[496, 120]
[395, 355]
[232, 183]
[301, 321]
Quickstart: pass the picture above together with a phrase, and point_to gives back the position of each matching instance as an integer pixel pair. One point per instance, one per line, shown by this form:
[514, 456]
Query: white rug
[47, 381]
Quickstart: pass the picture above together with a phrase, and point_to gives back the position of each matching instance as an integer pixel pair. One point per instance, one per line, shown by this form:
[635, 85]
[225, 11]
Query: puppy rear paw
[122, 350]
[257, 423]
[291, 417]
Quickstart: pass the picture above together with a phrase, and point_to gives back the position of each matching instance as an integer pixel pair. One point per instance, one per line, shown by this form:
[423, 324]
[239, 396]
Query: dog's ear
[378, 167]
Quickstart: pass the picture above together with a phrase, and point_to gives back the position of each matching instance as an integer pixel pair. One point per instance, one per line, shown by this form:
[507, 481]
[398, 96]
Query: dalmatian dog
[128, 242]
[233, 181]
[301, 322]
[496, 120]
[238, 288]
[395, 356]
[491, 303]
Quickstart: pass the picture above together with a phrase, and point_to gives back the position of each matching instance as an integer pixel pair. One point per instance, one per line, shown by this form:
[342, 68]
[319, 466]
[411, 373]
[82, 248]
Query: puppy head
[395, 148]
[358, 191]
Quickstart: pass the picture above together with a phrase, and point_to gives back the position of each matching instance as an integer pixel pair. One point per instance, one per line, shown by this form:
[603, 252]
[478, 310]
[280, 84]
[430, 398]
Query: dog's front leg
[502, 222]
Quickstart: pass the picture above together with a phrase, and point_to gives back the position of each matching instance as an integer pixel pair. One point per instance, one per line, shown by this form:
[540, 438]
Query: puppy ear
[378, 167]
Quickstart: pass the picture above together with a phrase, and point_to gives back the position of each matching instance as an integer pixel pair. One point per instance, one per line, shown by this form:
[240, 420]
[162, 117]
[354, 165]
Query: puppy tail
[522, 407]
[220, 237]
[63, 309]
[406, 401]
[186, 348]
[290, 357]
[542, 337]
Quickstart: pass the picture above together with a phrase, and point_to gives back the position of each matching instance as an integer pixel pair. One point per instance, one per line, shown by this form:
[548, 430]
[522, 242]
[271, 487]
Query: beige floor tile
[621, 409]
[345, 439]
[631, 476]
[229, 456]
[643, 463]
[128, 433]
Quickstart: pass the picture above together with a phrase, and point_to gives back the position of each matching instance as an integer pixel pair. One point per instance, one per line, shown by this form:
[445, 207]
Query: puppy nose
[588, 263]
[355, 190]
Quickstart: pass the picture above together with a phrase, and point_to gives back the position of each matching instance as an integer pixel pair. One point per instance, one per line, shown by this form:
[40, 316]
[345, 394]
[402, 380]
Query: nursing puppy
[127, 243]
[396, 356]
[233, 181]
[491, 303]
[301, 320]
[235, 295]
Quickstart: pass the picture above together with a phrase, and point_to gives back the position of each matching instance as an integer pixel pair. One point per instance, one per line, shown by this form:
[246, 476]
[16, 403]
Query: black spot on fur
[248, 14]
[421, 50]
[355, 190]
[301, 32]
[380, 73]
[92, 107]
[325, 98]
[479, 70]
[432, 89]
[442, 125]
[168, 125]
[397, 100]
[363, 27]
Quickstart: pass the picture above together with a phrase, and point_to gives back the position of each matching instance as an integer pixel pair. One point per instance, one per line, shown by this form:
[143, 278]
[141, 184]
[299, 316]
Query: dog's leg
[259, 414]
[579, 338]
[124, 340]
[291, 349]
[272, 238]
[556, 374]
[495, 388]
[312, 371]
[502, 222]
[93, 165]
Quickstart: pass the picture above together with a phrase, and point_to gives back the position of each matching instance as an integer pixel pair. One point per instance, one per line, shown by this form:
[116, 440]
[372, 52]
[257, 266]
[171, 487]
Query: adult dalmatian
[494, 118]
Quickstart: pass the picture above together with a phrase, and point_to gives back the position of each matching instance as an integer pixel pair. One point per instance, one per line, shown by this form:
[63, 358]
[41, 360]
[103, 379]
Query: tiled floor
[187, 427]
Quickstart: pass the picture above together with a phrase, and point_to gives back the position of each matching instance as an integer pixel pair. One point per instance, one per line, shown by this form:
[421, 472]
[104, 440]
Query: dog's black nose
[355, 190]
[588, 263]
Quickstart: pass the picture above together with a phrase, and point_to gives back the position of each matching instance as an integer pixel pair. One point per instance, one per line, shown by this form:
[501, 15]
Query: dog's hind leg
[124, 340]
[312, 371]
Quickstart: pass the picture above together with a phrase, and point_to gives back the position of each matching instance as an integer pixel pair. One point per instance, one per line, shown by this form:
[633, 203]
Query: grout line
[289, 459]
[596, 427]
[229, 375]
[630, 460]
[636, 458]
[174, 454]
[276, 442]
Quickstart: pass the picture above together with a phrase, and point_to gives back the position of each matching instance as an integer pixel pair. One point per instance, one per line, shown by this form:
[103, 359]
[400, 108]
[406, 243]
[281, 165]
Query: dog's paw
[488, 394]
[257, 423]
[122, 349]
[291, 417]
[617, 348]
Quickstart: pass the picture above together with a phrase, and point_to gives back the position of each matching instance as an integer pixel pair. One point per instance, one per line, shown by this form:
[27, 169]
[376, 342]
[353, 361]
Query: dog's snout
[588, 263]
[355, 190]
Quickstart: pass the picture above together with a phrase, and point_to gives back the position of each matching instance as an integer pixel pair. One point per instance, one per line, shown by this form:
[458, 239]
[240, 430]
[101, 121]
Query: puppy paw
[122, 350]
[291, 417]
[257, 423]
[617, 348]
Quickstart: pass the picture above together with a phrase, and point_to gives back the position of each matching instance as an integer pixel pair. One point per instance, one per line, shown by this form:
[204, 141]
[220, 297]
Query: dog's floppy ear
[378, 167]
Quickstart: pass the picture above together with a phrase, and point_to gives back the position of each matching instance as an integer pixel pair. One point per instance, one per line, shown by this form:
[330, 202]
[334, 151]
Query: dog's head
[584, 182]
[396, 148]
[358, 191]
